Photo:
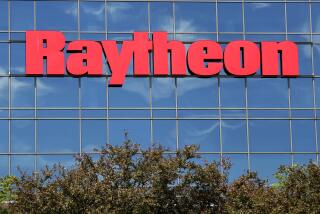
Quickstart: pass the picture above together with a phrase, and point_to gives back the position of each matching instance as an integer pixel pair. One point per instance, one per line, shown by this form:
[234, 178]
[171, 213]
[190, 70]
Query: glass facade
[258, 123]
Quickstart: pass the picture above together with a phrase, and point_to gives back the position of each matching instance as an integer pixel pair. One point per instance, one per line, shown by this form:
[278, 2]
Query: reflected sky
[184, 111]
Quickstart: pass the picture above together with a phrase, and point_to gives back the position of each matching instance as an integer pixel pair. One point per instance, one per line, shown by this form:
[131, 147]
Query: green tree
[298, 189]
[6, 195]
[126, 179]
[250, 195]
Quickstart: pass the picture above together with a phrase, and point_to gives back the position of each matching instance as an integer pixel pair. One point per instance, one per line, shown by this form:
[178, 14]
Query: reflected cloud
[18, 69]
[163, 87]
[138, 87]
[258, 6]
[233, 127]
[73, 10]
[118, 11]
[3, 88]
[18, 85]
[99, 13]
[193, 134]
[42, 88]
[3, 71]
[192, 83]
[185, 25]
[200, 132]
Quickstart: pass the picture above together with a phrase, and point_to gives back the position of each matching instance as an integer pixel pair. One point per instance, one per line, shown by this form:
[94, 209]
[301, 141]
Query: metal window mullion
[154, 108]
[167, 152]
[217, 21]
[219, 89]
[246, 91]
[220, 121]
[35, 98]
[107, 89]
[313, 85]
[150, 80]
[9, 85]
[184, 32]
[247, 123]
[289, 87]
[79, 85]
[175, 79]
[155, 118]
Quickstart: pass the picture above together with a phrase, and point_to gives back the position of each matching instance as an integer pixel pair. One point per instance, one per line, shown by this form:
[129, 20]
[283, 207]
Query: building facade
[258, 123]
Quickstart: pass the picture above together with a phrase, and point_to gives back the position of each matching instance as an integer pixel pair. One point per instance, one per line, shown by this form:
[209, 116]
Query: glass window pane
[317, 91]
[50, 160]
[269, 92]
[315, 17]
[267, 165]
[58, 136]
[57, 113]
[138, 131]
[239, 166]
[270, 113]
[57, 92]
[318, 132]
[301, 93]
[204, 133]
[230, 17]
[269, 136]
[4, 136]
[257, 17]
[22, 136]
[21, 15]
[163, 92]
[94, 134]
[57, 15]
[298, 17]
[161, 17]
[164, 134]
[197, 92]
[304, 158]
[4, 55]
[24, 163]
[127, 16]
[316, 59]
[18, 58]
[22, 113]
[303, 136]
[22, 92]
[129, 113]
[92, 16]
[305, 59]
[203, 113]
[4, 95]
[134, 93]
[93, 92]
[232, 92]
[195, 17]
[4, 15]
[234, 136]
[4, 164]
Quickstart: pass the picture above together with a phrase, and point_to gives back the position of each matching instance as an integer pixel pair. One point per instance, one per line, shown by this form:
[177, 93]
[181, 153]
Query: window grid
[151, 108]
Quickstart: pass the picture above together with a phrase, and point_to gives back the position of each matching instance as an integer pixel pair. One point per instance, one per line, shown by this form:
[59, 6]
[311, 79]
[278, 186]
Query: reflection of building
[257, 123]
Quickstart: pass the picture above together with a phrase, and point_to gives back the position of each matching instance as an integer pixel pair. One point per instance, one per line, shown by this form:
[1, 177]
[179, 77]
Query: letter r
[42, 45]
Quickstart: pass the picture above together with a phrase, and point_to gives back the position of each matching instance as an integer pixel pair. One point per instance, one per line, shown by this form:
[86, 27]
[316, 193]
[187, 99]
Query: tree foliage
[126, 179]
[6, 196]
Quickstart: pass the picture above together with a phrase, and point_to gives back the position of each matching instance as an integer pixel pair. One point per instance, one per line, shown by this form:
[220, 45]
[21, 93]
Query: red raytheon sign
[204, 58]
